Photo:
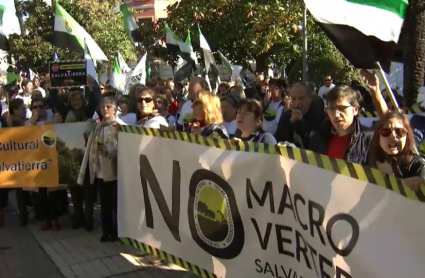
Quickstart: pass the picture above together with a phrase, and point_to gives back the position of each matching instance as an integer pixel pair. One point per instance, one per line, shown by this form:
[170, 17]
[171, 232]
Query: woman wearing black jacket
[393, 150]
[80, 108]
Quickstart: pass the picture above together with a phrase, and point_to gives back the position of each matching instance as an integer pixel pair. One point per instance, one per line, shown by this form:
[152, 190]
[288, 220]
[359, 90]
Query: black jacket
[299, 132]
[358, 149]
[93, 100]
[219, 130]
[416, 167]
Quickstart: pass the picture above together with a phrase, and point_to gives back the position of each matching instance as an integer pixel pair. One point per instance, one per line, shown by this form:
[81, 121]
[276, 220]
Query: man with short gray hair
[296, 124]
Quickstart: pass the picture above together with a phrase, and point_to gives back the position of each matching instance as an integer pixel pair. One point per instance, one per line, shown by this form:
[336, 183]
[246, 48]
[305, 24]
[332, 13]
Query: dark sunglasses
[37, 107]
[386, 132]
[146, 99]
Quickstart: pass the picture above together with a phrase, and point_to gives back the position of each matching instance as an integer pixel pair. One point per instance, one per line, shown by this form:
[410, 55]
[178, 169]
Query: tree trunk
[413, 50]
[261, 65]
[18, 9]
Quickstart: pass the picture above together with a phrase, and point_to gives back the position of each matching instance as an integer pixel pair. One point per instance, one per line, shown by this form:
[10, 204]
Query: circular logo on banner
[214, 219]
[49, 138]
[55, 67]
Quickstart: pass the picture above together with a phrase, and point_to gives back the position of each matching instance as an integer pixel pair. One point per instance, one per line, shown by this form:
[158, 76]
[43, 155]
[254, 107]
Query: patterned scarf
[94, 148]
[145, 118]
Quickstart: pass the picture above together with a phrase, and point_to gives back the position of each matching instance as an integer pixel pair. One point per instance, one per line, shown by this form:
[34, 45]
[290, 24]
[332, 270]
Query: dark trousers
[63, 201]
[4, 192]
[108, 195]
[87, 195]
[23, 197]
[48, 203]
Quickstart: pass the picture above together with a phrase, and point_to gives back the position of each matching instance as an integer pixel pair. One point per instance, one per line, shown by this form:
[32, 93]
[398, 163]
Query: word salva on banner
[191, 203]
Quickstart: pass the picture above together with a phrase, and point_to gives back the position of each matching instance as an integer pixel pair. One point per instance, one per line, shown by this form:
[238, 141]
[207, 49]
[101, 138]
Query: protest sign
[68, 73]
[29, 156]
[71, 142]
[225, 213]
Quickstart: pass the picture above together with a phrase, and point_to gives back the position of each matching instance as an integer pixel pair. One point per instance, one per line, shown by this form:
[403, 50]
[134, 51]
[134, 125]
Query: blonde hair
[211, 106]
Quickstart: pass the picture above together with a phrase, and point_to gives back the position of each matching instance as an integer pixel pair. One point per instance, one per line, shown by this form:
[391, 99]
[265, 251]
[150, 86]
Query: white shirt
[272, 115]
[171, 121]
[185, 113]
[4, 107]
[324, 90]
[27, 102]
[43, 92]
[155, 122]
[129, 118]
[231, 127]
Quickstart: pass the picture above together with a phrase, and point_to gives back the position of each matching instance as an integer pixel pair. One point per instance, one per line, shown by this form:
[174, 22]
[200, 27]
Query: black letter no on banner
[354, 237]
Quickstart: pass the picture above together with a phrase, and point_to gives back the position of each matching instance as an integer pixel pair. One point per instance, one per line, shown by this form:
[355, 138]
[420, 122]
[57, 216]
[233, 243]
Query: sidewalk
[73, 254]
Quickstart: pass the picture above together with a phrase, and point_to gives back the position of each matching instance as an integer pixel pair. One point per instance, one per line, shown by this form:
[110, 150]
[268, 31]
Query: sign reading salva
[253, 215]
[68, 73]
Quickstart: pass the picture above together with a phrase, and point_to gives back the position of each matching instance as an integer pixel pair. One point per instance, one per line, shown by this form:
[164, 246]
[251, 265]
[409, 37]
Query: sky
[10, 21]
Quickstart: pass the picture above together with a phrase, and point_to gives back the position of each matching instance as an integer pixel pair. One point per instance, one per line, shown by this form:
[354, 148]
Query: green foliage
[242, 30]
[97, 18]
[69, 163]
[263, 31]
[324, 59]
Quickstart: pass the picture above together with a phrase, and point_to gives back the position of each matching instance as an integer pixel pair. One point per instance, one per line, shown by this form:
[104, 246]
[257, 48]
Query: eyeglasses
[146, 99]
[38, 107]
[339, 108]
[386, 132]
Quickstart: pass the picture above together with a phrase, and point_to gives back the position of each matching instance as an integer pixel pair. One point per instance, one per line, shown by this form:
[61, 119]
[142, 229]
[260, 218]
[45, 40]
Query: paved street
[28, 253]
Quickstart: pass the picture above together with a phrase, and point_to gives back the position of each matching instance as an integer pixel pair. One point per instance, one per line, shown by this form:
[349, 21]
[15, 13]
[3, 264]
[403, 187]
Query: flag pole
[387, 85]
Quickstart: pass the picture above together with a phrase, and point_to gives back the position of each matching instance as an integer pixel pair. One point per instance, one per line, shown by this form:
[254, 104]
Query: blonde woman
[207, 119]
[101, 158]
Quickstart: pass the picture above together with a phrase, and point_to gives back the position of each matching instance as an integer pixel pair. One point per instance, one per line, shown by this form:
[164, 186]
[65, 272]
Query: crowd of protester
[273, 112]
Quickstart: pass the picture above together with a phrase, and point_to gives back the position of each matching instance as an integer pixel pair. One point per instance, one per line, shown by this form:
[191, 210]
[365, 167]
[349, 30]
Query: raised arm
[372, 83]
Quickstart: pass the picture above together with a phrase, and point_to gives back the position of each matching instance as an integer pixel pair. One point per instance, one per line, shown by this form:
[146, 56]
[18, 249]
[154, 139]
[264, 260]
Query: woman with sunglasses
[147, 114]
[394, 151]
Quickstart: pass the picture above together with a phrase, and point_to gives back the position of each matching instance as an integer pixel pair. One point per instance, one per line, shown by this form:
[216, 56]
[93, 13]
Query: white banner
[242, 214]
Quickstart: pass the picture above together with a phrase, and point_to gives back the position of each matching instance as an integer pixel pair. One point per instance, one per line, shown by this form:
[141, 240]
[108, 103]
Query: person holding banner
[341, 135]
[148, 115]
[48, 200]
[394, 151]
[100, 157]
[207, 118]
[18, 111]
[248, 118]
[295, 125]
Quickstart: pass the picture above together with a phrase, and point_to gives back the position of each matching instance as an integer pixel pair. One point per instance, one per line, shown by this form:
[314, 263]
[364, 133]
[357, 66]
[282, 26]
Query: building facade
[149, 10]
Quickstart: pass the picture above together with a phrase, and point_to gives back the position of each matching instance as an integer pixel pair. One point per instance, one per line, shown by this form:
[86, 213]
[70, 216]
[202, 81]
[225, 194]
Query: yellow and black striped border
[168, 257]
[338, 166]
[356, 171]
[413, 110]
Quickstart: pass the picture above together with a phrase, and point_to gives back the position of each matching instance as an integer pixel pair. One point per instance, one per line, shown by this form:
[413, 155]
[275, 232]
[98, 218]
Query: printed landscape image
[212, 214]
[70, 143]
